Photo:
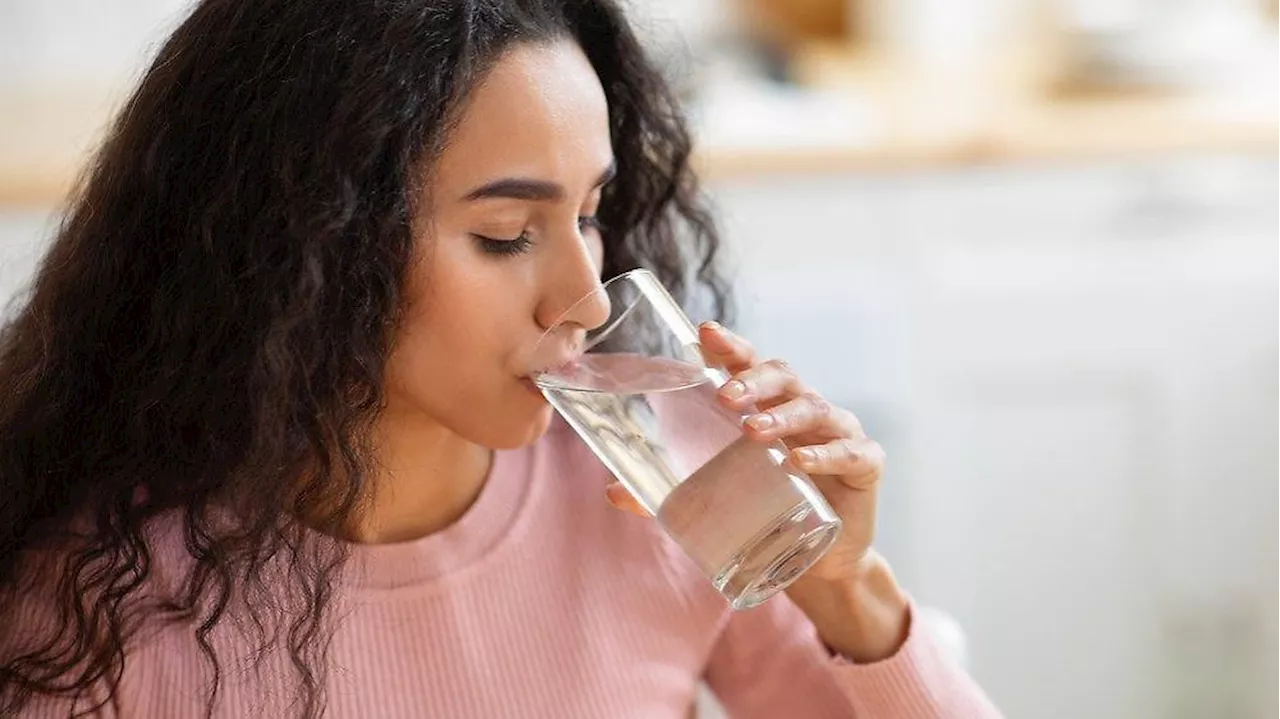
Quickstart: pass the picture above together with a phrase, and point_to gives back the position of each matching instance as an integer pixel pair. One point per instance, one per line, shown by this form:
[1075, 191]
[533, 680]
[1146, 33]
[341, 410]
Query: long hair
[207, 336]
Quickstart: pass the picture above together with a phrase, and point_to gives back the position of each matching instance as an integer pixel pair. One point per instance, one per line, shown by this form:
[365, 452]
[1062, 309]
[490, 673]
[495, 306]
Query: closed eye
[504, 247]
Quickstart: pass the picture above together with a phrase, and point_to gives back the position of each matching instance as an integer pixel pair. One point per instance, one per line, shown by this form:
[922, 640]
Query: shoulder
[73, 599]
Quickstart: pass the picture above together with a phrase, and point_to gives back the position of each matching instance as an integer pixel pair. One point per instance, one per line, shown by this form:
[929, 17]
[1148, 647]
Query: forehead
[539, 112]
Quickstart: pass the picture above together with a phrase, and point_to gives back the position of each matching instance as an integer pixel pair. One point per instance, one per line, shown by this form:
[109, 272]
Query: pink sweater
[543, 601]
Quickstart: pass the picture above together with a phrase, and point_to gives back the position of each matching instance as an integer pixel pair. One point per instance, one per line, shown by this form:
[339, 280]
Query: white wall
[80, 44]
[1074, 371]
[23, 234]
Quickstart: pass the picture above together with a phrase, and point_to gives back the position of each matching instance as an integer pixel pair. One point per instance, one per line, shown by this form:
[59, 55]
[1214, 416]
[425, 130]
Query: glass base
[776, 556]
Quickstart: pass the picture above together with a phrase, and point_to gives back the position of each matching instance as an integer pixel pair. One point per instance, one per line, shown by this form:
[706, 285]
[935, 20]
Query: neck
[427, 478]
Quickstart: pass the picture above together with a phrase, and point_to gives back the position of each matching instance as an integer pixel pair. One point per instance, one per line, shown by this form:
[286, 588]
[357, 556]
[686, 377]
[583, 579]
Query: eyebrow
[521, 188]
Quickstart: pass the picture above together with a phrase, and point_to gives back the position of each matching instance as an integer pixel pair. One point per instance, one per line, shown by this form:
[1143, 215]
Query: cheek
[448, 351]
[457, 317]
[455, 361]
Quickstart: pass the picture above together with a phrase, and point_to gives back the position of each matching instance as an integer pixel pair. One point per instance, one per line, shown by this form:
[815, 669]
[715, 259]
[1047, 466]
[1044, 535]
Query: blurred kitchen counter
[945, 117]
[913, 120]
[45, 140]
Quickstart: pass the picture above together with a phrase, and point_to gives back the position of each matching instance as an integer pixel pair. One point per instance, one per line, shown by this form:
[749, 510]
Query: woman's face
[506, 244]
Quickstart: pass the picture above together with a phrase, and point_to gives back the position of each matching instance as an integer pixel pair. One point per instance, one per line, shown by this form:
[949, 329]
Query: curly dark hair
[207, 336]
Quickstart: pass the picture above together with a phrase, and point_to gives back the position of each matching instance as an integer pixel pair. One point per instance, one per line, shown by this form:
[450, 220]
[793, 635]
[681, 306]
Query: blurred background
[1033, 243]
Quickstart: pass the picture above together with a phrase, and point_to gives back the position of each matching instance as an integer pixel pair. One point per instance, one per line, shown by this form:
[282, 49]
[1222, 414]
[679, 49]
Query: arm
[842, 642]
[849, 598]
[771, 661]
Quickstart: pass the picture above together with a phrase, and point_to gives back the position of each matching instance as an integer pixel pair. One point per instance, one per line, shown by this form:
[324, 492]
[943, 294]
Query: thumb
[620, 498]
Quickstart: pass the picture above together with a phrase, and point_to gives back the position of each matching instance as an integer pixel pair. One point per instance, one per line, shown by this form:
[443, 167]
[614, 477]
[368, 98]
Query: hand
[849, 594]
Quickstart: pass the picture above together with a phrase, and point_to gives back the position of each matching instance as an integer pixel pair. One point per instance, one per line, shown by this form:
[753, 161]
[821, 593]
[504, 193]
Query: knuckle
[778, 365]
[875, 452]
[857, 425]
[849, 418]
[750, 381]
[818, 404]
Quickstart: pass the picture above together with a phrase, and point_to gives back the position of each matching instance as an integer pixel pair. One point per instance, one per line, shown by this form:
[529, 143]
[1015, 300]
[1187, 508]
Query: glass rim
[596, 336]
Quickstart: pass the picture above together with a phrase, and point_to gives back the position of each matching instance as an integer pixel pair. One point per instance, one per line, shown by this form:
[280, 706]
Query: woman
[266, 443]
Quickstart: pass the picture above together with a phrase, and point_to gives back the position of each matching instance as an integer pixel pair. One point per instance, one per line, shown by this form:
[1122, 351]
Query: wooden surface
[45, 139]
[939, 117]
[930, 119]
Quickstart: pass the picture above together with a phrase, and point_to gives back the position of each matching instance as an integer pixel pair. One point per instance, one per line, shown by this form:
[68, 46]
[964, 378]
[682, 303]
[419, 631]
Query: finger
[726, 348]
[859, 463]
[767, 384]
[808, 415]
[620, 498]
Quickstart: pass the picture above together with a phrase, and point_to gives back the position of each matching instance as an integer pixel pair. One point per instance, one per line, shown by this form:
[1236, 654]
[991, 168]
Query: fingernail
[760, 422]
[733, 390]
[806, 457]
[615, 495]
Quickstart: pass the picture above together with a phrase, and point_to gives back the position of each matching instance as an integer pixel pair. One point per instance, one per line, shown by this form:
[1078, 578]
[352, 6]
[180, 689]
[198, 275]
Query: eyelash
[519, 245]
[522, 242]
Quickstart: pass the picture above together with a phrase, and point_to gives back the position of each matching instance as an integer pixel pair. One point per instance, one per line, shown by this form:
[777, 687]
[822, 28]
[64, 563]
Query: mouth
[560, 365]
[530, 385]
[555, 354]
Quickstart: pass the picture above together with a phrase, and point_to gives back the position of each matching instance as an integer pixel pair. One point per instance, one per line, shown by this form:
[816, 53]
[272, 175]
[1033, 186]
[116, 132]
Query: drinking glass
[639, 390]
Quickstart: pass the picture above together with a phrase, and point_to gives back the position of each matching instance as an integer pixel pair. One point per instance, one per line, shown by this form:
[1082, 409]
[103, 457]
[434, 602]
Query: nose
[574, 296]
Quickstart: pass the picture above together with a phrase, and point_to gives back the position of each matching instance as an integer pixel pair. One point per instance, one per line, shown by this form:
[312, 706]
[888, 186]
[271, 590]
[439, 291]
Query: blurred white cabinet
[1074, 371]
[1094, 488]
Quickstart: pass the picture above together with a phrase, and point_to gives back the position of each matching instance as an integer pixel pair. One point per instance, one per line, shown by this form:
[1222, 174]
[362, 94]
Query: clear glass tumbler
[641, 393]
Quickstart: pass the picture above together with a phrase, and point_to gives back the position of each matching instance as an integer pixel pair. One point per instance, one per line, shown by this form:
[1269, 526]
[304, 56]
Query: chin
[519, 426]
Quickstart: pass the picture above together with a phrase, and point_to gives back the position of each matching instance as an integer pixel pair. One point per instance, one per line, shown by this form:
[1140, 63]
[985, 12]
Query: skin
[524, 169]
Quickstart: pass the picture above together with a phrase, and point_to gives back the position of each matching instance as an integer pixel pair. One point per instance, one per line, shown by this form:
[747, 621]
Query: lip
[530, 385]
[559, 365]
[555, 352]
